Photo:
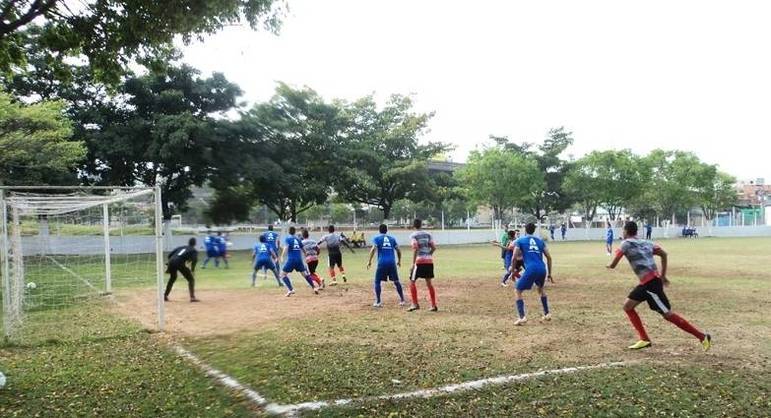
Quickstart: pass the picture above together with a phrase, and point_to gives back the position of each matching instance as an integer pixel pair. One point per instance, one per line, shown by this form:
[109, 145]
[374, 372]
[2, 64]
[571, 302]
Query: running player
[532, 249]
[178, 259]
[609, 239]
[640, 254]
[263, 256]
[508, 255]
[212, 251]
[312, 251]
[423, 248]
[293, 250]
[334, 253]
[222, 248]
[389, 257]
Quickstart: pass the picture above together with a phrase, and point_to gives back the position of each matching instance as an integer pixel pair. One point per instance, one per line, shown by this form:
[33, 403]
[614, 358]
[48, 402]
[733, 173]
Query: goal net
[68, 256]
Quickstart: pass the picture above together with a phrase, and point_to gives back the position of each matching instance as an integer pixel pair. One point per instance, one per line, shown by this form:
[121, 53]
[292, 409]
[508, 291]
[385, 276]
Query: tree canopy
[37, 144]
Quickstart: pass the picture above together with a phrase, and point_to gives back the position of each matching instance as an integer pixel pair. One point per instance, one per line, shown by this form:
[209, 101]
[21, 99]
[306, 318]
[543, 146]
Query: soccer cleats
[639, 345]
[706, 343]
[520, 321]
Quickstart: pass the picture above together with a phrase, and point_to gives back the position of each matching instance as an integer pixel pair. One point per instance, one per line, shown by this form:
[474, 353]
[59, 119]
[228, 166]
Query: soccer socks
[521, 308]
[506, 277]
[316, 279]
[399, 290]
[287, 283]
[254, 278]
[684, 325]
[414, 293]
[332, 273]
[378, 290]
[431, 294]
[637, 324]
[545, 303]
[309, 279]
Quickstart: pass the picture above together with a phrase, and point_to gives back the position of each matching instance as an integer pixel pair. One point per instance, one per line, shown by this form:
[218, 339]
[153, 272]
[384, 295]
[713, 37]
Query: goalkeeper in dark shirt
[178, 259]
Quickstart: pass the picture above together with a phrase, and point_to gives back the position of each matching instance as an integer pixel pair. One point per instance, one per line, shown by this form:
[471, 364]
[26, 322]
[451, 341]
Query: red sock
[316, 279]
[332, 273]
[431, 294]
[684, 325]
[637, 324]
[414, 293]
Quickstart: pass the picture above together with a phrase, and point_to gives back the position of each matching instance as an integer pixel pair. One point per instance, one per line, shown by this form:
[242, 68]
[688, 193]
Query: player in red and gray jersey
[423, 247]
[312, 251]
[335, 254]
[640, 254]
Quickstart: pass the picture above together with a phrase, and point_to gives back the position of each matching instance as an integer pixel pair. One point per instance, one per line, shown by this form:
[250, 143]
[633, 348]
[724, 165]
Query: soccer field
[336, 346]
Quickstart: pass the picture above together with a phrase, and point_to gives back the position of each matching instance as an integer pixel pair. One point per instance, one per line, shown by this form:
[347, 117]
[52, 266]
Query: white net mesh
[68, 251]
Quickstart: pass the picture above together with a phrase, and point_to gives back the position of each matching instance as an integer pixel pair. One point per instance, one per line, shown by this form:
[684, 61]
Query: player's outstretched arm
[664, 261]
[615, 261]
[547, 254]
[371, 254]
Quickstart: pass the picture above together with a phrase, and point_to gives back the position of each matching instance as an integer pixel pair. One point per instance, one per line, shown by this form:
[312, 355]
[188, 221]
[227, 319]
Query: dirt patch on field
[224, 311]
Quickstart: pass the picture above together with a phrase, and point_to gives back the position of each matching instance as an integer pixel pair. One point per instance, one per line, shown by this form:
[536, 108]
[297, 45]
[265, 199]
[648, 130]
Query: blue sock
[545, 304]
[275, 273]
[521, 308]
[378, 290]
[399, 290]
[288, 283]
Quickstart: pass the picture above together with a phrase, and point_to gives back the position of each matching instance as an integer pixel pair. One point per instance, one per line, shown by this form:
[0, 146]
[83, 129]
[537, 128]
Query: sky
[688, 75]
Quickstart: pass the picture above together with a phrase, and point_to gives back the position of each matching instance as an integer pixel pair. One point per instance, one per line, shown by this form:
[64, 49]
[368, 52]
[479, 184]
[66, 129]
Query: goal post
[68, 254]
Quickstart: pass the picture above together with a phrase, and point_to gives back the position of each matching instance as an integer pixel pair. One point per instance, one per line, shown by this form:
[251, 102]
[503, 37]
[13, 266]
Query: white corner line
[292, 409]
[224, 379]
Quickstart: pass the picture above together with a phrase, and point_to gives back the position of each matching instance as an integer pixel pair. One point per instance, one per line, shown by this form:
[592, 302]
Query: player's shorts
[385, 273]
[609, 241]
[212, 253]
[531, 277]
[335, 259]
[653, 293]
[267, 264]
[312, 264]
[294, 265]
[422, 271]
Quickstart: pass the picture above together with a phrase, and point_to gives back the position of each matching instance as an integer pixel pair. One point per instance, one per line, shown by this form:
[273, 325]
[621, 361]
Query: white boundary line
[293, 409]
[76, 275]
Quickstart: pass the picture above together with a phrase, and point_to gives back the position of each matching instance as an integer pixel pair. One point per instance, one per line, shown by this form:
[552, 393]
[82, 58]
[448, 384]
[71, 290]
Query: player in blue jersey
[273, 242]
[508, 257]
[389, 257]
[212, 250]
[532, 249]
[293, 250]
[222, 248]
[609, 239]
[263, 257]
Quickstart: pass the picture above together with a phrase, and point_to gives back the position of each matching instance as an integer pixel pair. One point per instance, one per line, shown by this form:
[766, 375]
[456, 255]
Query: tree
[551, 197]
[112, 34]
[384, 161]
[161, 127]
[501, 178]
[583, 184]
[717, 193]
[36, 142]
[292, 149]
[675, 178]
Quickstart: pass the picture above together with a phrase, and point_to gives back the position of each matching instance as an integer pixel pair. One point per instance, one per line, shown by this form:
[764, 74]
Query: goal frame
[158, 238]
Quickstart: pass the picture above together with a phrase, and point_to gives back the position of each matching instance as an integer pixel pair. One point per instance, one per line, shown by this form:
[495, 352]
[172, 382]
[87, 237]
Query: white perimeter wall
[136, 244]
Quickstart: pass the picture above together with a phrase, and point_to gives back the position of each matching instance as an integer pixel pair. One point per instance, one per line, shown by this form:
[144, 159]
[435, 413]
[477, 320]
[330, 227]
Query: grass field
[336, 346]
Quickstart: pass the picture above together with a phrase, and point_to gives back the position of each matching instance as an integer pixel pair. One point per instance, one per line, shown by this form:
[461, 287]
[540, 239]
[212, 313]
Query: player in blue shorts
[212, 250]
[532, 249]
[295, 255]
[272, 240]
[263, 256]
[389, 257]
[222, 248]
[609, 239]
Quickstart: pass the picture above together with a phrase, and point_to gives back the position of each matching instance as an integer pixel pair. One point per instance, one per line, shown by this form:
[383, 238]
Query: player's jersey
[333, 241]
[639, 253]
[210, 243]
[271, 238]
[294, 248]
[222, 244]
[532, 249]
[386, 249]
[311, 248]
[183, 254]
[262, 252]
[609, 235]
[424, 243]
